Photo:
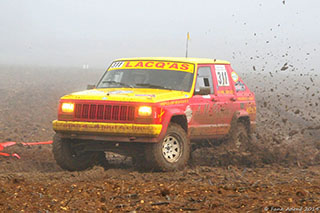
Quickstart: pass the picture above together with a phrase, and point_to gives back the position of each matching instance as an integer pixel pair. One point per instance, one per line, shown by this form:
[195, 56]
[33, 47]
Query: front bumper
[115, 129]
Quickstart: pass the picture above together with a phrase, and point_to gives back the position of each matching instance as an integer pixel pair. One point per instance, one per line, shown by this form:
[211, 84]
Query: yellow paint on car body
[178, 59]
[108, 128]
[155, 65]
[128, 95]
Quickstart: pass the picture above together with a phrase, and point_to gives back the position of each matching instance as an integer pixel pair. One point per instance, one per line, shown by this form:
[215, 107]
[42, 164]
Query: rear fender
[239, 115]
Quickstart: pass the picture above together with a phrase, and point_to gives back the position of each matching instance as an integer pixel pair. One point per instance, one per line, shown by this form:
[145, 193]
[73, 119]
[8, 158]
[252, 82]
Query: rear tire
[68, 159]
[172, 153]
[239, 138]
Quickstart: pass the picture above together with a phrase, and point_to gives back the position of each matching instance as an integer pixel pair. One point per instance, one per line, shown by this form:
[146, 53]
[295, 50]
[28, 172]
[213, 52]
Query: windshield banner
[160, 65]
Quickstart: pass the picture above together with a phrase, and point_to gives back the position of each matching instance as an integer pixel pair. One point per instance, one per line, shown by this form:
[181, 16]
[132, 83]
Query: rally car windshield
[147, 78]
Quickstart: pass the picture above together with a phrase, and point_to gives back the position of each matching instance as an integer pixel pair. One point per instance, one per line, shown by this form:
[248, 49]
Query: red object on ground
[5, 154]
[8, 143]
[36, 143]
[11, 143]
[9, 155]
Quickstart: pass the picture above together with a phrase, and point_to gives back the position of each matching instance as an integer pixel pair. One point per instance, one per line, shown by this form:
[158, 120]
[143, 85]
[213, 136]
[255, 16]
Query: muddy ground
[281, 170]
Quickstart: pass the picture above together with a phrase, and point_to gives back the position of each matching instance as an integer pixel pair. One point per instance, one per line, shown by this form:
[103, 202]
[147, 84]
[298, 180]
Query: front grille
[104, 112]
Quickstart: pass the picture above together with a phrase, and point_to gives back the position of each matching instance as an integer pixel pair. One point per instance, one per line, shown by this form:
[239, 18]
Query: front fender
[169, 113]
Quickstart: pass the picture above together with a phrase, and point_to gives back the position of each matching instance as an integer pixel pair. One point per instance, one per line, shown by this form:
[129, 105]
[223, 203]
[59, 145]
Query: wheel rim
[171, 148]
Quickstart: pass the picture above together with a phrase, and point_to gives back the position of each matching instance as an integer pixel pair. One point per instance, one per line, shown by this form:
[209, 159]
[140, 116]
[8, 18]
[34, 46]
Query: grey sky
[74, 32]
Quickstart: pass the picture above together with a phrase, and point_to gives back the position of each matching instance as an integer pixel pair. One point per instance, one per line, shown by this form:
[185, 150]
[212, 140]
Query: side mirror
[203, 91]
[91, 86]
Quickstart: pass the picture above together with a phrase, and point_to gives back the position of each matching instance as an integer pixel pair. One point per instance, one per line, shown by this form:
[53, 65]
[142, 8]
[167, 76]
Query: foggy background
[262, 33]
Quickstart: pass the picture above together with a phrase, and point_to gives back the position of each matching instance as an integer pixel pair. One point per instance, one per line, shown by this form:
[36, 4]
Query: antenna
[188, 38]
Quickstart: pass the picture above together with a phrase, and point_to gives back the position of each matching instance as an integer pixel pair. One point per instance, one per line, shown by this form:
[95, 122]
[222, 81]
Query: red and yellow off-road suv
[152, 109]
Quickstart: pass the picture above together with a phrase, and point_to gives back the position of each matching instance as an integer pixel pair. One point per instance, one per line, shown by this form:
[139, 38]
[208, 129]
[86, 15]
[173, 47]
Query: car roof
[177, 59]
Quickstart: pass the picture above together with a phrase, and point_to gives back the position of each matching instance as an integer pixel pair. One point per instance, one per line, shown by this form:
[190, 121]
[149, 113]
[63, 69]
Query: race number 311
[222, 75]
[117, 64]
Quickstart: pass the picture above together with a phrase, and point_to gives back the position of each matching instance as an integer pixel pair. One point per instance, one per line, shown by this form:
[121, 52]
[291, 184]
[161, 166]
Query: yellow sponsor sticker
[174, 102]
[234, 76]
[245, 98]
[225, 92]
[158, 65]
[251, 109]
[111, 128]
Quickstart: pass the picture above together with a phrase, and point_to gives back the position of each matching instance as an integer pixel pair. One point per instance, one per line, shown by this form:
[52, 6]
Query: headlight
[67, 107]
[144, 111]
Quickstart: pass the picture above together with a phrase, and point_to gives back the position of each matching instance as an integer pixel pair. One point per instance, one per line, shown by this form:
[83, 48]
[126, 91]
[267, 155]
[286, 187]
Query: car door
[224, 99]
[200, 125]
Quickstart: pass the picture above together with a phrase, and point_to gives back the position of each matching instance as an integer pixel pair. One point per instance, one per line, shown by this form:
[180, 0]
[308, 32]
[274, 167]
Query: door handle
[214, 99]
[233, 99]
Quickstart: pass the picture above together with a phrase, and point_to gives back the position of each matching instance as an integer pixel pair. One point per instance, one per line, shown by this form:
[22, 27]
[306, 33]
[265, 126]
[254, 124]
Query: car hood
[128, 94]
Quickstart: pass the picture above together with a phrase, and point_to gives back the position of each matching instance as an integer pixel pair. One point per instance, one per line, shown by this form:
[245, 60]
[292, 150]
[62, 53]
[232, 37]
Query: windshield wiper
[153, 86]
[116, 82]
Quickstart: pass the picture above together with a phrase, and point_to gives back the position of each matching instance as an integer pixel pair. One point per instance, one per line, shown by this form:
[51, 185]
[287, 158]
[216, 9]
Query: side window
[204, 79]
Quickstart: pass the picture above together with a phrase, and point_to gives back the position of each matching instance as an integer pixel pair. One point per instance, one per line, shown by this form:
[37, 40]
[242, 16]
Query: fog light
[144, 111]
[67, 107]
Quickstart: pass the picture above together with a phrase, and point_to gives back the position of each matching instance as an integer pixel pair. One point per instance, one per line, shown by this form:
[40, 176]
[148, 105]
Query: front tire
[172, 153]
[67, 158]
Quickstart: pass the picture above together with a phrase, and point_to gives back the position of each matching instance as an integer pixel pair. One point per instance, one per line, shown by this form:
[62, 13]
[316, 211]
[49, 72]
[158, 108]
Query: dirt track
[282, 169]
